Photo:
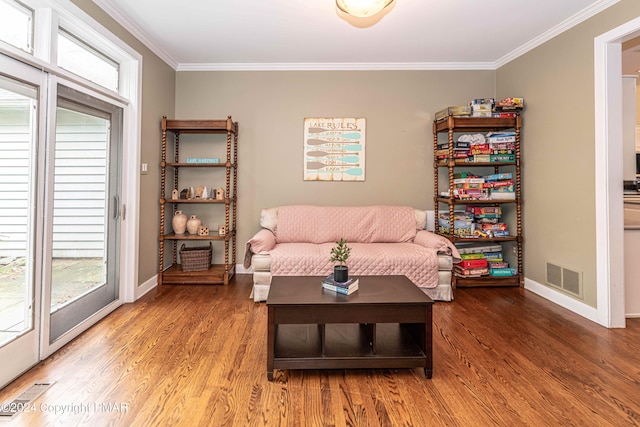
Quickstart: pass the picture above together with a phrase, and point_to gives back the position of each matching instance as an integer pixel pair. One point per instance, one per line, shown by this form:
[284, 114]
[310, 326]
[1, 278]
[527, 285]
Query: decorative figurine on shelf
[190, 193]
[193, 224]
[203, 230]
[340, 253]
[220, 193]
[205, 192]
[198, 192]
[179, 222]
[175, 194]
[184, 193]
[222, 230]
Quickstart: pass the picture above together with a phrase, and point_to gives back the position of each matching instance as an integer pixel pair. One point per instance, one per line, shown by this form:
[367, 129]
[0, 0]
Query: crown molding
[135, 30]
[341, 66]
[565, 25]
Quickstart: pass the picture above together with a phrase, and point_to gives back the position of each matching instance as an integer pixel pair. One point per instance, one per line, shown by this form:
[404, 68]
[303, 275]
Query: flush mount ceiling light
[362, 8]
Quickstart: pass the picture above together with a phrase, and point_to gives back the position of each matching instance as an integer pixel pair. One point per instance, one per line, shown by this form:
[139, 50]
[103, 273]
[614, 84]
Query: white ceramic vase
[179, 222]
[193, 224]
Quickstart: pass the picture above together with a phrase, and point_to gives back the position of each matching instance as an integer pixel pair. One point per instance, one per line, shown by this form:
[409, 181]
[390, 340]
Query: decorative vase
[179, 222]
[340, 273]
[193, 224]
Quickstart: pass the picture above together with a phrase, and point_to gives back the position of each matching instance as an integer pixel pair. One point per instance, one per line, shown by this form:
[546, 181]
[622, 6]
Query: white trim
[130, 226]
[562, 300]
[343, 66]
[47, 189]
[241, 270]
[608, 194]
[146, 287]
[565, 25]
[122, 19]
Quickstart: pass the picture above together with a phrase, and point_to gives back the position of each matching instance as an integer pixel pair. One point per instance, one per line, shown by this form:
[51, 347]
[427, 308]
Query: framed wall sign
[334, 149]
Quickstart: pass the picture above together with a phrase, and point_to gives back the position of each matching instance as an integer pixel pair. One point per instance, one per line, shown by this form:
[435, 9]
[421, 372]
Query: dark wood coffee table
[386, 323]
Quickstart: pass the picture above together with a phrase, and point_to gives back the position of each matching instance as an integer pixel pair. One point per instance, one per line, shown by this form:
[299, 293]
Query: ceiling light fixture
[362, 8]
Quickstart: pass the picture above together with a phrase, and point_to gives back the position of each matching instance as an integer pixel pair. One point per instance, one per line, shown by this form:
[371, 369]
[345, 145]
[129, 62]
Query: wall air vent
[565, 279]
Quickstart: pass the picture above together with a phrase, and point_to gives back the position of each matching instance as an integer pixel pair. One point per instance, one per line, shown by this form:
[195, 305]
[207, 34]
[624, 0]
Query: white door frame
[27, 345]
[608, 173]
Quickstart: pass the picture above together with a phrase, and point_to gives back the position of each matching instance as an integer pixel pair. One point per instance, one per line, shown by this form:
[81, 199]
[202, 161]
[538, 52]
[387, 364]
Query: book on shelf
[340, 289]
[502, 195]
[484, 210]
[487, 218]
[465, 175]
[500, 114]
[473, 263]
[502, 158]
[501, 226]
[455, 111]
[510, 104]
[483, 101]
[493, 256]
[498, 264]
[479, 180]
[470, 272]
[499, 176]
[499, 184]
[478, 255]
[503, 272]
[478, 247]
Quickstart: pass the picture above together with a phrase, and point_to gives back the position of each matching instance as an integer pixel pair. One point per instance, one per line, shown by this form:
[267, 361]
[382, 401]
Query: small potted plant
[340, 254]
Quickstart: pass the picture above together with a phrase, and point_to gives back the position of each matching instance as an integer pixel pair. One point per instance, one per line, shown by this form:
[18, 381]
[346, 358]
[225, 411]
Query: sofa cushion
[362, 224]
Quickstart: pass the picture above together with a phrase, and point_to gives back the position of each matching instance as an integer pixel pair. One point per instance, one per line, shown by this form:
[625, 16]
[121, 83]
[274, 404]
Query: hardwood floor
[196, 355]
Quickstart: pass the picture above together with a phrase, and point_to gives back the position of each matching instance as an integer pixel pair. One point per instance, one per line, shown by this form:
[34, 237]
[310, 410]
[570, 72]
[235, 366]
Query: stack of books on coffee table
[346, 288]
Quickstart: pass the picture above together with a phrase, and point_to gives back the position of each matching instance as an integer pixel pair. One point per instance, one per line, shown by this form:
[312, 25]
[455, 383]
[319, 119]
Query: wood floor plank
[196, 356]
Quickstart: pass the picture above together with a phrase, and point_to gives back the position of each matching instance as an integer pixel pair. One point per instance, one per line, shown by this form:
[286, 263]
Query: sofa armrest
[441, 244]
[262, 242]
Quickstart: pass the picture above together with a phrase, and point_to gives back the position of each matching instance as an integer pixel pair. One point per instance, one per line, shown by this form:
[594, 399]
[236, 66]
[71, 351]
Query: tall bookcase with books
[219, 175]
[478, 196]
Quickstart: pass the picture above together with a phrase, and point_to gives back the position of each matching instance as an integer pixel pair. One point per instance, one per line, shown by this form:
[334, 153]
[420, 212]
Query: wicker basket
[196, 258]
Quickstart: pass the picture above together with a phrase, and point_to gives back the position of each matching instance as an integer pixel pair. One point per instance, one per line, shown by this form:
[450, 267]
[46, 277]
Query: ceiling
[309, 34]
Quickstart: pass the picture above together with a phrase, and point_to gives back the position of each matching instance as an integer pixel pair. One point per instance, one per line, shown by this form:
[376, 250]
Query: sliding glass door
[21, 137]
[85, 212]
[60, 214]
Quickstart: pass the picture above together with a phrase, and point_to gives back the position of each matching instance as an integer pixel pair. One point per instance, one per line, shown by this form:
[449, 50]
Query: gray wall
[557, 82]
[271, 106]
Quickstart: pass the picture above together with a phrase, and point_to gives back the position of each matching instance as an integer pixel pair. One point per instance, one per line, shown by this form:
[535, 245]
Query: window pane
[17, 137]
[15, 24]
[80, 59]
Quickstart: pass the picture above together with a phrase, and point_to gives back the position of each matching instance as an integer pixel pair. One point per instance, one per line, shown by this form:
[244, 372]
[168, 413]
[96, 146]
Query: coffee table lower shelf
[349, 346]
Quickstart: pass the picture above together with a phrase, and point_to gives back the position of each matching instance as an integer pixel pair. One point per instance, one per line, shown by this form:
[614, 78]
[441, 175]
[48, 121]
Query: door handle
[116, 206]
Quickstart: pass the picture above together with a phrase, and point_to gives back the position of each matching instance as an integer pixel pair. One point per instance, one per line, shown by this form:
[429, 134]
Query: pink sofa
[384, 240]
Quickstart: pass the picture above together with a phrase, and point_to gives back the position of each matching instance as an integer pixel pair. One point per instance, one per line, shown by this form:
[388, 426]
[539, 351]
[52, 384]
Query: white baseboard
[241, 270]
[152, 283]
[147, 286]
[562, 300]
